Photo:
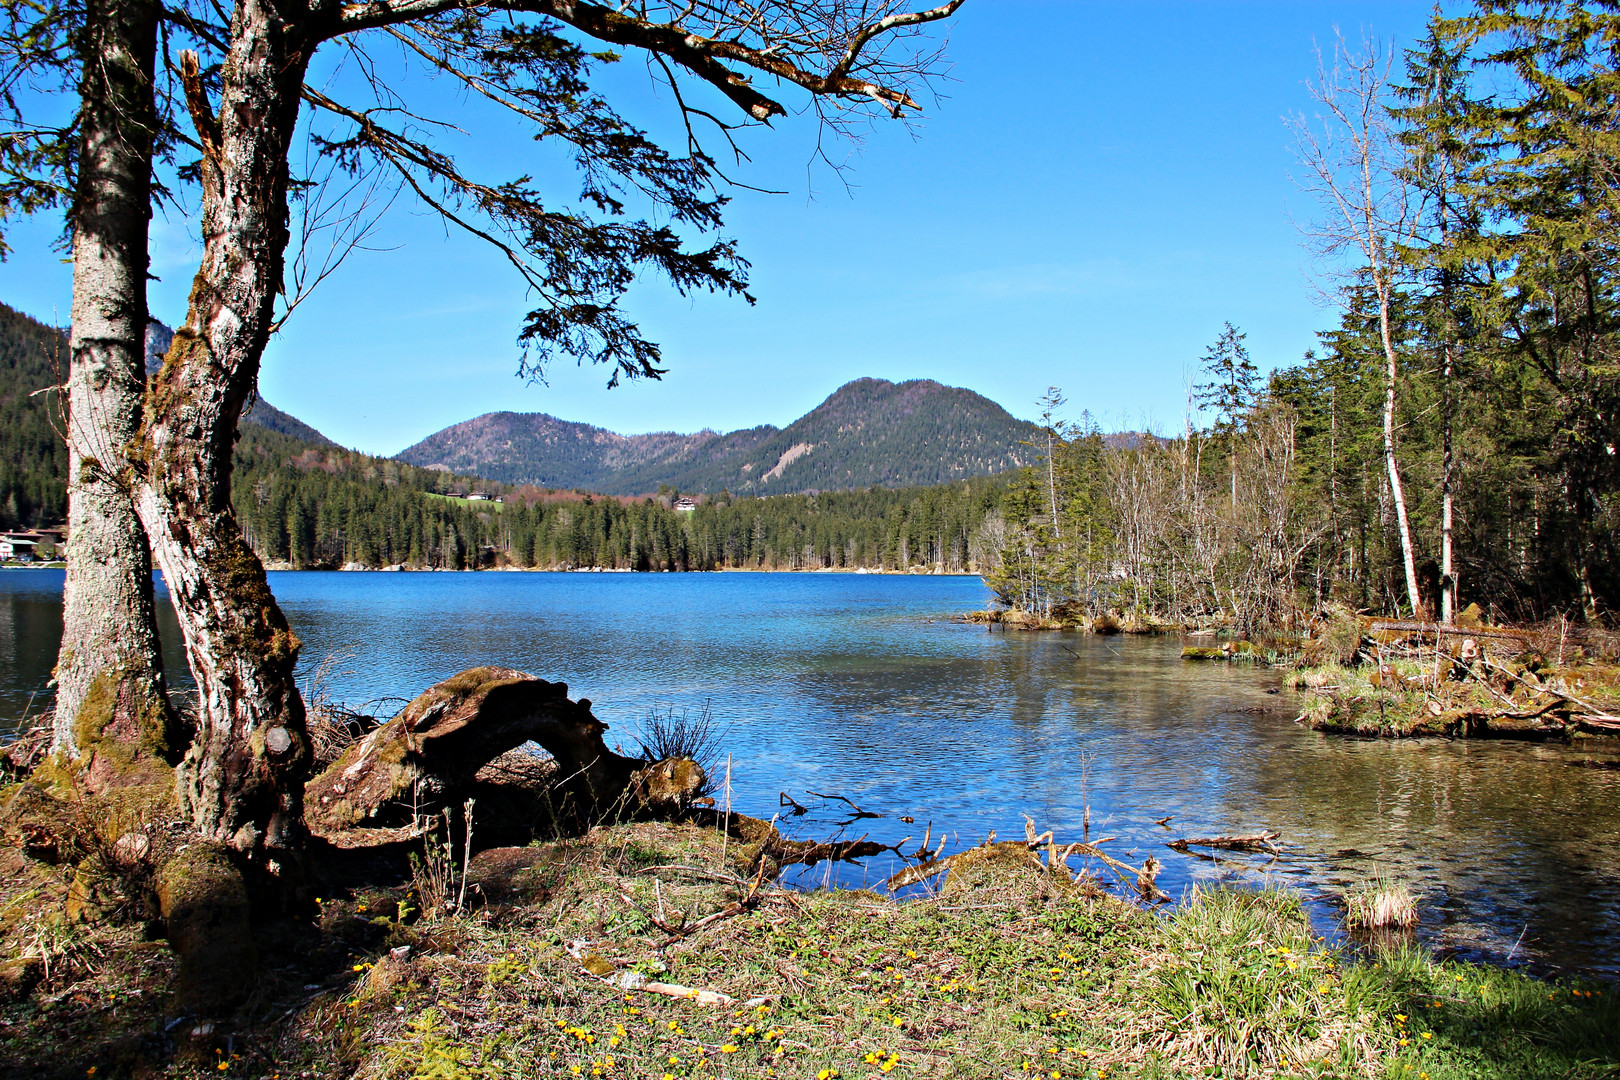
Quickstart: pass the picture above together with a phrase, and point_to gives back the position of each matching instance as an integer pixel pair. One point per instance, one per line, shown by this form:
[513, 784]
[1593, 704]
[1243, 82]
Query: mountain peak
[868, 432]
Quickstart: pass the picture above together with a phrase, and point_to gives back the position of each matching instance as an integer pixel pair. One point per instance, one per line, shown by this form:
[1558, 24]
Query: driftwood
[609, 973]
[426, 758]
[1408, 626]
[1143, 879]
[1260, 842]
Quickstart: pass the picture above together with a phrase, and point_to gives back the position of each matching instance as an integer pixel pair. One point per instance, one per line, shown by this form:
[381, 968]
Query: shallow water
[861, 686]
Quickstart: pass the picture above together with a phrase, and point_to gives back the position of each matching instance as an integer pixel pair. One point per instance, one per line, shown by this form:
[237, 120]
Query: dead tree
[1356, 169]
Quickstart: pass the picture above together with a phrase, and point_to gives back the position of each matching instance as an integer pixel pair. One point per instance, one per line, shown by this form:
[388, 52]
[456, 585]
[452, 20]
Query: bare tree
[1355, 167]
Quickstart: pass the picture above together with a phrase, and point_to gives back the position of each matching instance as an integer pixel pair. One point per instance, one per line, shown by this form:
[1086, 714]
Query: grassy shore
[1009, 971]
[1519, 697]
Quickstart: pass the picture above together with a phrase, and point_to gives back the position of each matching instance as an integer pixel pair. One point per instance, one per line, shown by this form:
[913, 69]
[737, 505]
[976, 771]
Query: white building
[15, 547]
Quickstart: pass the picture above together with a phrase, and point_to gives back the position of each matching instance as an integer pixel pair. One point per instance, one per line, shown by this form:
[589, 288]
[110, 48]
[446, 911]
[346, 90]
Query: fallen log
[1409, 626]
[1256, 842]
[426, 759]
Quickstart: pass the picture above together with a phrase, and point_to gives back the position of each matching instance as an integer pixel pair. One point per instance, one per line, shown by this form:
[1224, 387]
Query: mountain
[870, 432]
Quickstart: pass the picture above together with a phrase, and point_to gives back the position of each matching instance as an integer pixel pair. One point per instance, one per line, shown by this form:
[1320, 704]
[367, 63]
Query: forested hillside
[33, 459]
[304, 502]
[868, 432]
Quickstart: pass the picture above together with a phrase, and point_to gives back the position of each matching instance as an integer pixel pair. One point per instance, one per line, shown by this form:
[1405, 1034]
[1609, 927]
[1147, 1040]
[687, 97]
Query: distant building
[16, 547]
[685, 504]
[478, 496]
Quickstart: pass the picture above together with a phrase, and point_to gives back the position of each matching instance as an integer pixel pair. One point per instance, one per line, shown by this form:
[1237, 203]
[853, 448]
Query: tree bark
[241, 782]
[113, 716]
[386, 785]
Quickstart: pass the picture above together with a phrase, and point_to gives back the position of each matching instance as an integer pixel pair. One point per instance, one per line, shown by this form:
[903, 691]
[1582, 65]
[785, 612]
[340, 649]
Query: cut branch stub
[426, 757]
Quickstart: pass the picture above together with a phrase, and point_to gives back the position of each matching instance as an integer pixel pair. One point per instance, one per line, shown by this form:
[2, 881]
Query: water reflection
[862, 686]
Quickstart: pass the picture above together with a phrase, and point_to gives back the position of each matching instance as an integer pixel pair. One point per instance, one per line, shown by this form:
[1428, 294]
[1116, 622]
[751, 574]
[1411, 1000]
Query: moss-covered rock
[204, 905]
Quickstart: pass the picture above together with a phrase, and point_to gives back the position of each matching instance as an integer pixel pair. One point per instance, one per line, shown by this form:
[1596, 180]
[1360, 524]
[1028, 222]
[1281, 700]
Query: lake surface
[861, 686]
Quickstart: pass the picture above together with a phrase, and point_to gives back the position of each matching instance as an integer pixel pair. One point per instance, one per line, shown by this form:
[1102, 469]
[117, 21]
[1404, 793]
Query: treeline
[304, 507]
[1285, 504]
[1454, 439]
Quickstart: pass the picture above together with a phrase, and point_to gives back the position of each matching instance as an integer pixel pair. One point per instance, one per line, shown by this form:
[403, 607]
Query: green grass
[1009, 979]
[1016, 973]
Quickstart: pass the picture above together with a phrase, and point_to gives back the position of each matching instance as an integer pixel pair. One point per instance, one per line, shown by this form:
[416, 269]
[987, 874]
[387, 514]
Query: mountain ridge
[868, 432]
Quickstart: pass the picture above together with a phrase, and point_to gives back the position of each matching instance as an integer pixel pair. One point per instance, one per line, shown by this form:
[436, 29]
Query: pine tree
[1232, 388]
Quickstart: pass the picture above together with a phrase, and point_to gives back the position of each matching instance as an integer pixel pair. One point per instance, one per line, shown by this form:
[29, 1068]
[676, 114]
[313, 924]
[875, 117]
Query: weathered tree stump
[384, 786]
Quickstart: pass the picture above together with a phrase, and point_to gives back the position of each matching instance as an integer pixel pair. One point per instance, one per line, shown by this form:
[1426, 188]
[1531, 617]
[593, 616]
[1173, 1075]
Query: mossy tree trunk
[241, 782]
[111, 709]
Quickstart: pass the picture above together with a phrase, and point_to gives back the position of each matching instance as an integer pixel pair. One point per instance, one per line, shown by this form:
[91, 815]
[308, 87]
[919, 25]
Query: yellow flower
[1405, 1041]
[1428, 1034]
[1401, 1017]
[898, 1022]
[729, 1048]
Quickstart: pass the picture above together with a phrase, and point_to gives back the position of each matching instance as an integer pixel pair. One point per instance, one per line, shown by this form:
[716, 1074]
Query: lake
[862, 686]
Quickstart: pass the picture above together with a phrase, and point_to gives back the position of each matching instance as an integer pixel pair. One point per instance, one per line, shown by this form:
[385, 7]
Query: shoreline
[661, 960]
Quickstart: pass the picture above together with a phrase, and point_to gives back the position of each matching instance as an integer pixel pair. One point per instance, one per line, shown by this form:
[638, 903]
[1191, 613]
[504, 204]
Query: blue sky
[1100, 188]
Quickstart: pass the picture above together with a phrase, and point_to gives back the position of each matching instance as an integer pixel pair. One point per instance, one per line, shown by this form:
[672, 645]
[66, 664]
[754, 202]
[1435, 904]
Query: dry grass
[1382, 903]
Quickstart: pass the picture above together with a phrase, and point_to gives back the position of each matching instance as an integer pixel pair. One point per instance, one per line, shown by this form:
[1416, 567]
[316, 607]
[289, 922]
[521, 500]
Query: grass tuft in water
[1383, 903]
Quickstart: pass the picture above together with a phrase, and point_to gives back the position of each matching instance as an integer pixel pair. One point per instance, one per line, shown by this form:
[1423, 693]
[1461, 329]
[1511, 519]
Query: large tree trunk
[241, 783]
[113, 717]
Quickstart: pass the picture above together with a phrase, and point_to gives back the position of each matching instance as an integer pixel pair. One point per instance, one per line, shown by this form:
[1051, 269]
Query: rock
[19, 976]
[516, 875]
[204, 905]
[669, 785]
